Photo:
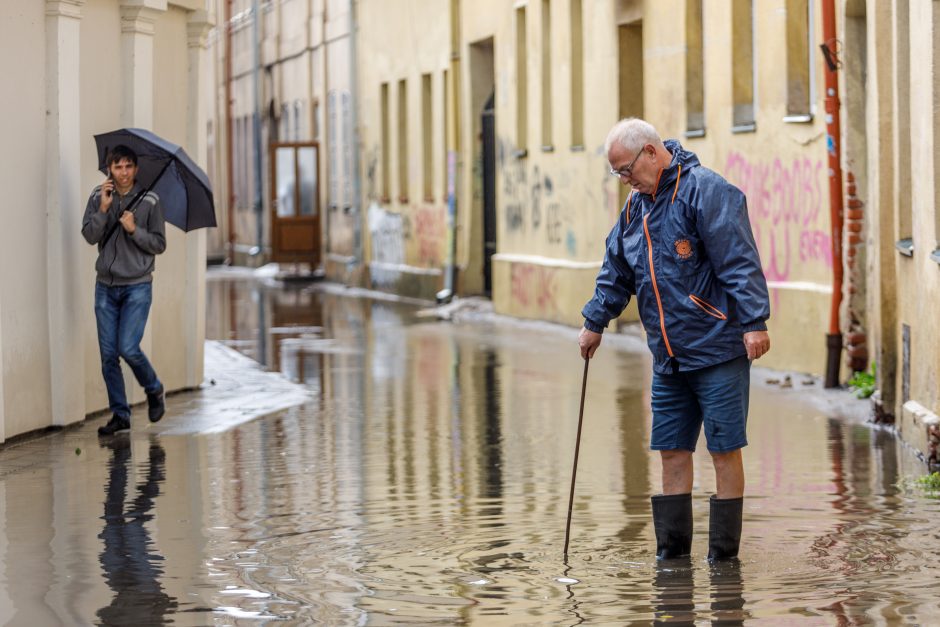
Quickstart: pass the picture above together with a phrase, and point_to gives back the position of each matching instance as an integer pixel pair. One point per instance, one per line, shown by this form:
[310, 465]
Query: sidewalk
[235, 390]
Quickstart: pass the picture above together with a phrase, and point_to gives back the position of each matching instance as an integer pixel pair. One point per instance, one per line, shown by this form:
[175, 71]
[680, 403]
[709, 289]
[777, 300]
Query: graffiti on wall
[388, 246]
[533, 287]
[429, 234]
[532, 201]
[785, 204]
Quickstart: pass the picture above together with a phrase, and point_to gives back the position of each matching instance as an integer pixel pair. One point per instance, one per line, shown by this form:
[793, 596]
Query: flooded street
[426, 482]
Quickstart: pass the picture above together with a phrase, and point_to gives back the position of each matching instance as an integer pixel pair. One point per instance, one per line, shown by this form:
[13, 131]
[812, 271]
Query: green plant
[929, 483]
[863, 382]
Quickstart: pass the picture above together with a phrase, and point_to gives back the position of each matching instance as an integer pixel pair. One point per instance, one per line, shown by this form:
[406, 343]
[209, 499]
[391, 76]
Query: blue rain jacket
[688, 254]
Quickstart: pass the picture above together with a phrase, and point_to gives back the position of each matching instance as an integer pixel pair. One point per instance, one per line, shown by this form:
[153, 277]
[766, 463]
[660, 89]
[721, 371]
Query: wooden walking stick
[577, 447]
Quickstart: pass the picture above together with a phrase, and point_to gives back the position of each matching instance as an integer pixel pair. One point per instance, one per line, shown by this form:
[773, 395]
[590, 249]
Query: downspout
[354, 112]
[833, 136]
[256, 125]
[229, 145]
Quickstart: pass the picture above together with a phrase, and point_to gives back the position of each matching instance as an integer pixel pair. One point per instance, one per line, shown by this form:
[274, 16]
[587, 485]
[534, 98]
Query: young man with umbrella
[128, 227]
[683, 246]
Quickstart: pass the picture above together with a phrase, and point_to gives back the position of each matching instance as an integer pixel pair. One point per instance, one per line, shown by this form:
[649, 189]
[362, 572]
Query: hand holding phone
[107, 194]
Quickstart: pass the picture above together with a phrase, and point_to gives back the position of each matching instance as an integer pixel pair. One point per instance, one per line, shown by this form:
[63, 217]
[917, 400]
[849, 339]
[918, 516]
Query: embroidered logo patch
[683, 248]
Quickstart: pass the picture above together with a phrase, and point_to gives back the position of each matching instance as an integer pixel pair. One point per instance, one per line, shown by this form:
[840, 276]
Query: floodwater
[427, 482]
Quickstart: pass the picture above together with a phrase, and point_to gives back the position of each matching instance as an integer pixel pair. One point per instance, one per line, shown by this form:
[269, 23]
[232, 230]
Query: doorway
[295, 203]
[483, 237]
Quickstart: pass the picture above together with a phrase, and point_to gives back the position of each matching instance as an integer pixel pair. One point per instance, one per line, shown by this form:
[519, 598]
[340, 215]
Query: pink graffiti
[783, 202]
[533, 286]
[429, 233]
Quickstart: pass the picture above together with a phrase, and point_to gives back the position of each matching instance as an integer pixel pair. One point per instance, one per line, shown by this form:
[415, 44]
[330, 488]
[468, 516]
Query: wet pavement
[386, 467]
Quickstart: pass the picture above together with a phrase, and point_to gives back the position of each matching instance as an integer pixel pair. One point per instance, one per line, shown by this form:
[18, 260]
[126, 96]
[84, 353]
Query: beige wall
[67, 58]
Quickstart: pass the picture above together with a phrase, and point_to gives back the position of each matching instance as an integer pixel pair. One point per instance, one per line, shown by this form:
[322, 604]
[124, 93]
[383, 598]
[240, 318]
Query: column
[138, 19]
[199, 90]
[137, 28]
[69, 297]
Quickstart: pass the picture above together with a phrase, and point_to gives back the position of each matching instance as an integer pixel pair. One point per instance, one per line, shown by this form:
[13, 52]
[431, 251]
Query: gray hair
[632, 134]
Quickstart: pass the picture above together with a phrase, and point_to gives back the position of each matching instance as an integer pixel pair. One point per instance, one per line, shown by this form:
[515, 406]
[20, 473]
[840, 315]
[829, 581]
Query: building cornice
[197, 29]
[64, 8]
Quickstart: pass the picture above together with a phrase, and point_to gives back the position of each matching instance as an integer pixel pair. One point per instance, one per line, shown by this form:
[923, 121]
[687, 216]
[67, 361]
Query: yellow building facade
[524, 93]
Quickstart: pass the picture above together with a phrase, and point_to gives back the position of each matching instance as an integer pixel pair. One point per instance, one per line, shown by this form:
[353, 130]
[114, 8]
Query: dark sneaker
[155, 405]
[115, 425]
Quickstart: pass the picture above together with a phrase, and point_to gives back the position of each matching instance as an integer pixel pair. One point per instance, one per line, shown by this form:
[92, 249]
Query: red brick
[854, 227]
[855, 214]
[850, 189]
[855, 203]
[855, 239]
[850, 177]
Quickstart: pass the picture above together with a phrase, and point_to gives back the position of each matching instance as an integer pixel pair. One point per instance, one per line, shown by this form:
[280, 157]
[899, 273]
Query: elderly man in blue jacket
[683, 246]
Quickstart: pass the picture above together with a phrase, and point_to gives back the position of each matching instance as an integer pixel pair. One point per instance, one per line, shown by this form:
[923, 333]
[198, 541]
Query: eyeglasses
[628, 170]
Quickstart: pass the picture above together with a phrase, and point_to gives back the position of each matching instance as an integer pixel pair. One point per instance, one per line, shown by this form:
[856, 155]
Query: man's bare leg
[729, 474]
[677, 471]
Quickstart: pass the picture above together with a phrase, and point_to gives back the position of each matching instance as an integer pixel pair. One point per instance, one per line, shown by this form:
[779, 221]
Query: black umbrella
[166, 169]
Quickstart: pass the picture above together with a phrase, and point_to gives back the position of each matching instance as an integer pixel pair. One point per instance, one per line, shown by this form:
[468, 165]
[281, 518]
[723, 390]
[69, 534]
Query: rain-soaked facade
[426, 479]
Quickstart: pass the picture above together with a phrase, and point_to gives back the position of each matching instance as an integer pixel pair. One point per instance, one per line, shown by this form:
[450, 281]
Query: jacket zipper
[649, 250]
[659, 302]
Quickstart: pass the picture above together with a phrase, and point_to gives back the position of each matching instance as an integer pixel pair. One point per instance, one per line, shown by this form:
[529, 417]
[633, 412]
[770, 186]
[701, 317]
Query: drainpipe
[354, 113]
[833, 136]
[230, 148]
[256, 125]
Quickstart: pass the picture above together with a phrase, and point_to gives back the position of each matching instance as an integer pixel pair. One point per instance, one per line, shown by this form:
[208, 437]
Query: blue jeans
[121, 312]
[716, 396]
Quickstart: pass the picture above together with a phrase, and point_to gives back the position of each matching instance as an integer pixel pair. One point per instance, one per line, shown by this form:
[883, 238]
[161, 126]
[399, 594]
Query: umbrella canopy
[165, 168]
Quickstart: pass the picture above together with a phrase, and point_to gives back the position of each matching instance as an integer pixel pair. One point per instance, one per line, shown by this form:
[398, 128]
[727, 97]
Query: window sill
[744, 128]
[522, 153]
[577, 148]
[695, 132]
[905, 247]
[803, 118]
[935, 255]
[548, 148]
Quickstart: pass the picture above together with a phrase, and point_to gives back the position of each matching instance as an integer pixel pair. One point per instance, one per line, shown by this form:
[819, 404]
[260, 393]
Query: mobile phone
[108, 192]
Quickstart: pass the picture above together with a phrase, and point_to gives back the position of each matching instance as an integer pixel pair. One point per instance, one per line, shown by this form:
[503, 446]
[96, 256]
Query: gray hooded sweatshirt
[125, 259]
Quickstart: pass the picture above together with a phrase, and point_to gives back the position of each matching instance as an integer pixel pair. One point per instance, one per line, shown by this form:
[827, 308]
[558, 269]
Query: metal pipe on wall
[229, 143]
[833, 137]
[256, 125]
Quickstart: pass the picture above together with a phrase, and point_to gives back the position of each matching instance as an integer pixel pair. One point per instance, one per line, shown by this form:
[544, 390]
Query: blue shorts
[716, 396]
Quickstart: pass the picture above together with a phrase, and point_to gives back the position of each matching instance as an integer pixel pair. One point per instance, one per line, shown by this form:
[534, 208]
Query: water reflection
[129, 558]
[427, 482]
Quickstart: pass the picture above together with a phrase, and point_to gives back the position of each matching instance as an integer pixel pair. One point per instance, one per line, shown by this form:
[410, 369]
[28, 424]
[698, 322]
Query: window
[522, 81]
[427, 117]
[577, 76]
[386, 172]
[799, 69]
[403, 140]
[546, 75]
[694, 70]
[742, 65]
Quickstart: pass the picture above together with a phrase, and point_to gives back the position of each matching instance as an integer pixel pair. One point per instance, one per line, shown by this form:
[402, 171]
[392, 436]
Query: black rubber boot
[672, 519]
[724, 528]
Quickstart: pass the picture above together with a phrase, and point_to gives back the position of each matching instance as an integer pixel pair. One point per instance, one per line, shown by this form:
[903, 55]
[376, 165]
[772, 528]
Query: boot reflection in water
[673, 588]
[128, 559]
[727, 588]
